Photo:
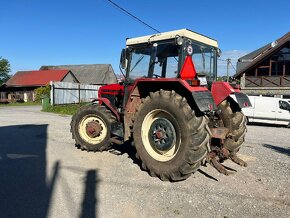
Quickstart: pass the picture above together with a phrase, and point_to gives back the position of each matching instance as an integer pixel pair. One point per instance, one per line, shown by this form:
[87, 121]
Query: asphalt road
[42, 174]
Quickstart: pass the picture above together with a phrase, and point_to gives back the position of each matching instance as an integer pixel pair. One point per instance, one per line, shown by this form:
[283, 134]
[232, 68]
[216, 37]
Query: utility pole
[228, 65]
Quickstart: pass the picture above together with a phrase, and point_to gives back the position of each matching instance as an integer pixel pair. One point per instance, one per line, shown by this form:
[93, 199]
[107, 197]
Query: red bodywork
[112, 89]
[221, 90]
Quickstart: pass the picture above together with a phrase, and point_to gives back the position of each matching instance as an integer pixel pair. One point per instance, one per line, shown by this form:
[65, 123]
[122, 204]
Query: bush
[42, 92]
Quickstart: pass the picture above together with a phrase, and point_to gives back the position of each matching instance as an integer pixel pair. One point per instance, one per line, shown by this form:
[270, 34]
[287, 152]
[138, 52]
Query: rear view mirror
[219, 52]
[123, 59]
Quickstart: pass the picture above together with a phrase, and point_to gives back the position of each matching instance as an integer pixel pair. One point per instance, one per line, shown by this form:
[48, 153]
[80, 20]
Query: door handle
[279, 111]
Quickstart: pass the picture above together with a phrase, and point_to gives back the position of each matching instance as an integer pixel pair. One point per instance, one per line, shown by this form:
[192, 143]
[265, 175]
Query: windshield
[139, 62]
[165, 59]
[158, 60]
[203, 58]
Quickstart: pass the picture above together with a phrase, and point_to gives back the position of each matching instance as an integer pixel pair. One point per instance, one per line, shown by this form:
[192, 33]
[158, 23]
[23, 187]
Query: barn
[21, 87]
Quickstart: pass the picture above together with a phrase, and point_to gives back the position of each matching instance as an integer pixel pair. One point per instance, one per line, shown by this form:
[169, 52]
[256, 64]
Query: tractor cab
[165, 55]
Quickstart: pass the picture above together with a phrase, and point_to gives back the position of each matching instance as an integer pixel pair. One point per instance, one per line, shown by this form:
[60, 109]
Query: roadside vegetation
[68, 109]
[42, 92]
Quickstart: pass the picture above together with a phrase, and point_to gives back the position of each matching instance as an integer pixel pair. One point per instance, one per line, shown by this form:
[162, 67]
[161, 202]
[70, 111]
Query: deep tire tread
[194, 151]
[236, 122]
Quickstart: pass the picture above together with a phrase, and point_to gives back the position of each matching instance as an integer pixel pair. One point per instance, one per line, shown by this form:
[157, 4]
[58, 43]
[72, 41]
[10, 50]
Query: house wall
[69, 78]
[270, 77]
[3, 97]
[20, 96]
[17, 94]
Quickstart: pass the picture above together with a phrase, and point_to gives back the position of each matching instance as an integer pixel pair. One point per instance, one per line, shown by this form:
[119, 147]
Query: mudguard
[107, 103]
[242, 99]
[222, 90]
[204, 101]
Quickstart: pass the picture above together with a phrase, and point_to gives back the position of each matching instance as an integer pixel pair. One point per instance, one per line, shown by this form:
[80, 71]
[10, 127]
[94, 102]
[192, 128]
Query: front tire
[91, 127]
[170, 140]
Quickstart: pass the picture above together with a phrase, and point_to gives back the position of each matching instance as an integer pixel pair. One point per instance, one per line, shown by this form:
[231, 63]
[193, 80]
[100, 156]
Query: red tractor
[165, 107]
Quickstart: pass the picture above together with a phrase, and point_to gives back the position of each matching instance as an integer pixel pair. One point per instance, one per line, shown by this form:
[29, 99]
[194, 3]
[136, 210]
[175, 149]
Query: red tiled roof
[36, 77]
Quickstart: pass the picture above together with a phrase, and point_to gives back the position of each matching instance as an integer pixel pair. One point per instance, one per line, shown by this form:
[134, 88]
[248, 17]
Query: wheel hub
[162, 135]
[93, 129]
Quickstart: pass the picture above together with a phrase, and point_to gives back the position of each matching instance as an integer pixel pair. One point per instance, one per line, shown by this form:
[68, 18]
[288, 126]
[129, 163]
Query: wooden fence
[267, 81]
[69, 93]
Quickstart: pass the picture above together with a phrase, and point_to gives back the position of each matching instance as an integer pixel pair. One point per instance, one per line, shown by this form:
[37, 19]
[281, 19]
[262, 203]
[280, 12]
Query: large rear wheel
[91, 127]
[233, 119]
[170, 140]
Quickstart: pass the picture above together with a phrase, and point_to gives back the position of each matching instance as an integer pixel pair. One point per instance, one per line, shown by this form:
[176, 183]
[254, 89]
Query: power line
[219, 59]
[226, 60]
[131, 15]
[233, 66]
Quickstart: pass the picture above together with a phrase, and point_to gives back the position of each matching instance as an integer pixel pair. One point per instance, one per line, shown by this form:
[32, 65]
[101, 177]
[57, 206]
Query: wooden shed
[21, 86]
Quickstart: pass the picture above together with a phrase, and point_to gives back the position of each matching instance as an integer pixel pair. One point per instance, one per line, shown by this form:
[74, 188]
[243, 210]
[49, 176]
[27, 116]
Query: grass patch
[20, 104]
[68, 109]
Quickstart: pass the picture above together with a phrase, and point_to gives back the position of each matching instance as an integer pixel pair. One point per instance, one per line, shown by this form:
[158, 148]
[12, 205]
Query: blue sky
[54, 32]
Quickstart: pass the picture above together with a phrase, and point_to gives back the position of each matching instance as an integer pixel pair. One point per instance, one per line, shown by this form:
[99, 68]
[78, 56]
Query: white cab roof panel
[171, 35]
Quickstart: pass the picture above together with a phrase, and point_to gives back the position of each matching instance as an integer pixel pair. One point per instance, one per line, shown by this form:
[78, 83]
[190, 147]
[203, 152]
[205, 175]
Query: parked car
[268, 110]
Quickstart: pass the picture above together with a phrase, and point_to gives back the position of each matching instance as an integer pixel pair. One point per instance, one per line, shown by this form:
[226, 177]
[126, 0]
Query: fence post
[51, 93]
[79, 85]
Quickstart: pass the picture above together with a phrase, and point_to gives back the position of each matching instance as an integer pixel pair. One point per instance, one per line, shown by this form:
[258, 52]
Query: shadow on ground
[128, 149]
[285, 151]
[24, 189]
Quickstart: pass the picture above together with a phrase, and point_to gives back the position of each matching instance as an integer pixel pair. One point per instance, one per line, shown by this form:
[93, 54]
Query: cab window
[284, 105]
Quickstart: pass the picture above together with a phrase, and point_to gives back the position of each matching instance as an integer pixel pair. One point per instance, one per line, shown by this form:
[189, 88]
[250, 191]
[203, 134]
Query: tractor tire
[233, 119]
[170, 140]
[91, 127]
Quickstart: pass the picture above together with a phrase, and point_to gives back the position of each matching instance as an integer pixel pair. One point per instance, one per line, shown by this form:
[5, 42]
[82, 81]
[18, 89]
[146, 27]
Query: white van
[268, 110]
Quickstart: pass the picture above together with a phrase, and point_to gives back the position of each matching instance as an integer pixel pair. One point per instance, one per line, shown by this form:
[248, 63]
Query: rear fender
[198, 97]
[220, 91]
[223, 90]
[242, 99]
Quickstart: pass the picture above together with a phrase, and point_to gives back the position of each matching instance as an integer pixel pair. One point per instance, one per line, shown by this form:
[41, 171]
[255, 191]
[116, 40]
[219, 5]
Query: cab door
[283, 112]
[265, 110]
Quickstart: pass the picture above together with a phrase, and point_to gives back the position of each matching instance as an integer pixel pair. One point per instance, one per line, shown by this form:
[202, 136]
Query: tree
[4, 70]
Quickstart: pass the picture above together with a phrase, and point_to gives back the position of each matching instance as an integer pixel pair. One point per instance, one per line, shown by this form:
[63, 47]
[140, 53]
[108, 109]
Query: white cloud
[234, 55]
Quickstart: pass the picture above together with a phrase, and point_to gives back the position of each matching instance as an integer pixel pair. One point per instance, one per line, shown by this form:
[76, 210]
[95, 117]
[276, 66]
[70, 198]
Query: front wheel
[170, 140]
[91, 127]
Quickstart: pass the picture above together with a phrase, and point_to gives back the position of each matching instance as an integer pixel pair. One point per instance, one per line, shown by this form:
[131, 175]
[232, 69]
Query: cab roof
[171, 35]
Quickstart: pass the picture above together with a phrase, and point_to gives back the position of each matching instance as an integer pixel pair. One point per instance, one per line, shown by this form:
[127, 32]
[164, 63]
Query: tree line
[4, 70]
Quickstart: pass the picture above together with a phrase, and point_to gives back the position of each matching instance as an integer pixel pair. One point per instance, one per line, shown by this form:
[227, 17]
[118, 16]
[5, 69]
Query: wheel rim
[93, 129]
[159, 135]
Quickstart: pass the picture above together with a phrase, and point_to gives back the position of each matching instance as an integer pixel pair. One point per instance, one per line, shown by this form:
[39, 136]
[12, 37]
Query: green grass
[20, 104]
[68, 109]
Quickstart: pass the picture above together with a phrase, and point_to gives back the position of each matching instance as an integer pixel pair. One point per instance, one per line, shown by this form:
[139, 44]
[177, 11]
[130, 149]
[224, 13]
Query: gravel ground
[42, 174]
